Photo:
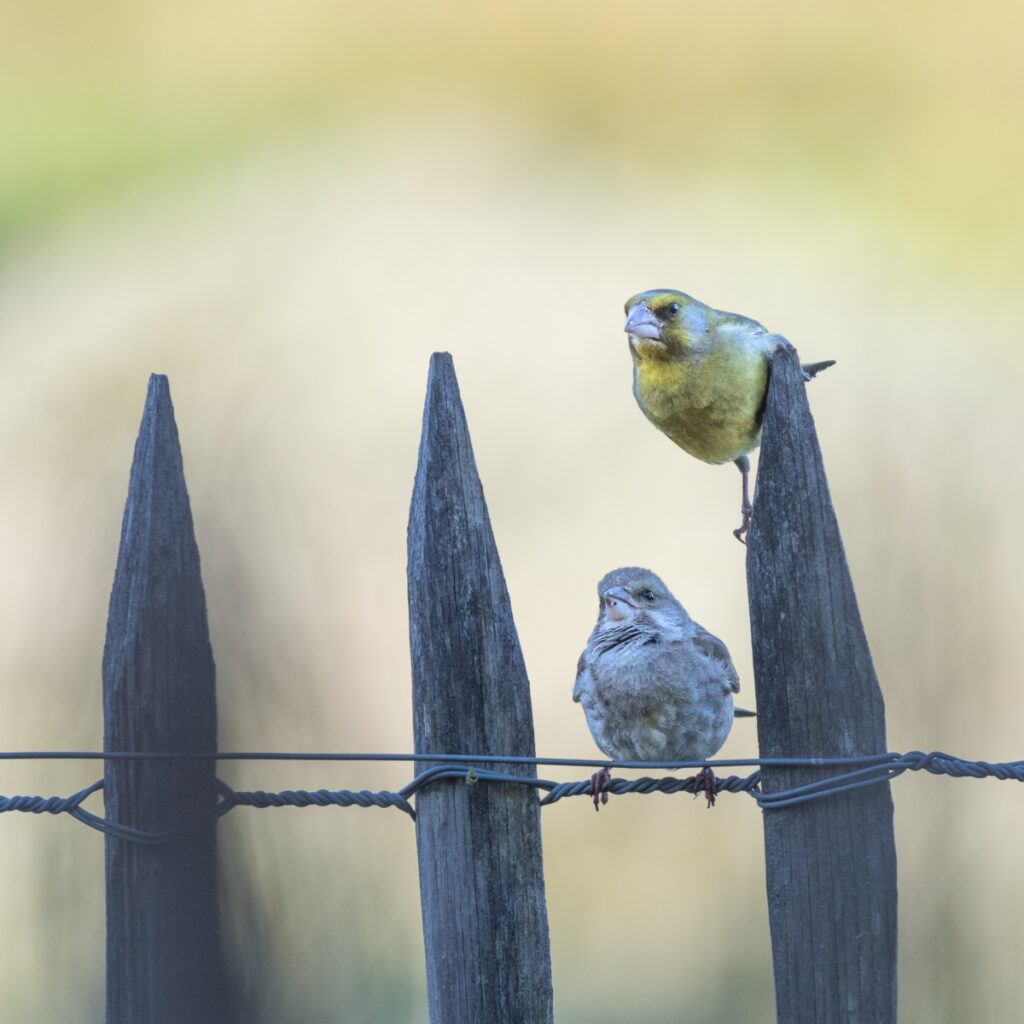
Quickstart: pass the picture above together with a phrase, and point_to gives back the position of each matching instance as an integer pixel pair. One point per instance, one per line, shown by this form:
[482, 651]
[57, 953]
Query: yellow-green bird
[700, 376]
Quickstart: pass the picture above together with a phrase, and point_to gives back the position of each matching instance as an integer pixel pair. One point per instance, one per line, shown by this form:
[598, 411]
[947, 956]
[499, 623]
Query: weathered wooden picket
[164, 963]
[830, 864]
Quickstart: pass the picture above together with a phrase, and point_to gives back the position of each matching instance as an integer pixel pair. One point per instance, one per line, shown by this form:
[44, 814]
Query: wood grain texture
[831, 863]
[164, 962]
[479, 845]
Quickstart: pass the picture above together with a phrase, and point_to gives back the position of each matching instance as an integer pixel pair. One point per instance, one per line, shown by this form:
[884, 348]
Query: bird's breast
[664, 706]
[709, 403]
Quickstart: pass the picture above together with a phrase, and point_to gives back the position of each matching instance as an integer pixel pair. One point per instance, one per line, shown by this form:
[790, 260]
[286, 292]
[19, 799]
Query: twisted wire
[867, 770]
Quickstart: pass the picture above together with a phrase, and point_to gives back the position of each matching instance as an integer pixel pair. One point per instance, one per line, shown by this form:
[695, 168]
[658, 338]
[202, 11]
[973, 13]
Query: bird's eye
[647, 595]
[673, 308]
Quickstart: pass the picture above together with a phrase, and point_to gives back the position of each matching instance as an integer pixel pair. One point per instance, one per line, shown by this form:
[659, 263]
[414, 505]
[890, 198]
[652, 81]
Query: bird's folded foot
[781, 344]
[704, 782]
[599, 783]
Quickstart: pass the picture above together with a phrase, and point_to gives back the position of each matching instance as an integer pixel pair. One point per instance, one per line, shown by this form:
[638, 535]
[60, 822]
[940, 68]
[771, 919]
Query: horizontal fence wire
[842, 775]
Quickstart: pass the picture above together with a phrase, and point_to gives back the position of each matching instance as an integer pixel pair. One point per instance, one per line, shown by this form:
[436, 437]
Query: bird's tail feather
[813, 369]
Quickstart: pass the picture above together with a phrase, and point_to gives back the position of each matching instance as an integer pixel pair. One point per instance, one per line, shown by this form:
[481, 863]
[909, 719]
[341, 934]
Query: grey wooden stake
[830, 863]
[164, 962]
[481, 875]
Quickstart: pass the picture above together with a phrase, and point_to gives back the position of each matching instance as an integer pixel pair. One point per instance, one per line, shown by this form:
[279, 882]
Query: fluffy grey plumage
[655, 686]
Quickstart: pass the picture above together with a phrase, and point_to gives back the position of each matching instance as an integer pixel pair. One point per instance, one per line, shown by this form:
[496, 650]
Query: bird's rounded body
[654, 685]
[699, 374]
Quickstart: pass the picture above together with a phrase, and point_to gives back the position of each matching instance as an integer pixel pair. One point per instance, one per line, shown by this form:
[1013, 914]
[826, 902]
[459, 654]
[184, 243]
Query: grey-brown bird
[654, 685]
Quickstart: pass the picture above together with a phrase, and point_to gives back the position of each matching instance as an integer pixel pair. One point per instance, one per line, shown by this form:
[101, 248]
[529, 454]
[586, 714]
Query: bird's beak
[619, 604]
[642, 323]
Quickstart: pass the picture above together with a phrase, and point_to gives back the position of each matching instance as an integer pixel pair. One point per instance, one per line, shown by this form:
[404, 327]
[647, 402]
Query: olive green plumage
[700, 376]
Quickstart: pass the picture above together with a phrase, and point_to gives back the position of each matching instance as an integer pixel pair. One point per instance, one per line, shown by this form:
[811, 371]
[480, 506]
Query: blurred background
[287, 208]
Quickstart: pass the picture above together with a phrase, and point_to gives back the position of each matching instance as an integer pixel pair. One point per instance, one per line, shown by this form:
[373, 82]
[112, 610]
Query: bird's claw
[741, 531]
[704, 782]
[599, 783]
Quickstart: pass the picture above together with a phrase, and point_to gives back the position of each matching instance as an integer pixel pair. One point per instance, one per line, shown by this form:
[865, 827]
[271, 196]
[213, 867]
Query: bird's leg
[704, 782]
[746, 508]
[599, 783]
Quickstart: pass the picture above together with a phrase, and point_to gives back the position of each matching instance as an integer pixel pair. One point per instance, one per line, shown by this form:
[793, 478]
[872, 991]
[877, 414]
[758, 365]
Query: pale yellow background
[287, 208]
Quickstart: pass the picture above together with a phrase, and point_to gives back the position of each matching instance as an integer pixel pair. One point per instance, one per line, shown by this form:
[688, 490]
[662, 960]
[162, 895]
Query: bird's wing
[711, 646]
[581, 668]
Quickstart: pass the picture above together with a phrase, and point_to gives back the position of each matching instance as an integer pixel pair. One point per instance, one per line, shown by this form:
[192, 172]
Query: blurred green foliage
[911, 112]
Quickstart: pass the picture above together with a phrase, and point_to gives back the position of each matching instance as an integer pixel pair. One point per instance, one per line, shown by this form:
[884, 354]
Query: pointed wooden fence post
[830, 863]
[164, 961]
[481, 875]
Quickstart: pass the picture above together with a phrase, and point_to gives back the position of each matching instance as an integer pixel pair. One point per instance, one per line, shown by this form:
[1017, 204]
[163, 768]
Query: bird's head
[637, 596]
[665, 324]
